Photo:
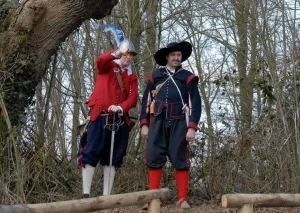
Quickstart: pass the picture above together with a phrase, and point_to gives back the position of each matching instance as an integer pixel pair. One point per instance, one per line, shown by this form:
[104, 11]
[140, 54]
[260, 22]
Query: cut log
[154, 206]
[247, 208]
[90, 204]
[261, 200]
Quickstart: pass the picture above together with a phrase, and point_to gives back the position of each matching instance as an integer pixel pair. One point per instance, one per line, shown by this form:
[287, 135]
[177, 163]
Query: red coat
[107, 91]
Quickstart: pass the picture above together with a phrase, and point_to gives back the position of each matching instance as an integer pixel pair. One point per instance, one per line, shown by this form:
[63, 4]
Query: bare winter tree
[30, 33]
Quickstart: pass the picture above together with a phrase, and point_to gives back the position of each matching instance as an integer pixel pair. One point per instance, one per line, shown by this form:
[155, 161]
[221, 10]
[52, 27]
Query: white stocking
[87, 177]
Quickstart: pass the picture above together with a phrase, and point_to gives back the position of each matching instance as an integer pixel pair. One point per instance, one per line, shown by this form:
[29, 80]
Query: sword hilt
[114, 125]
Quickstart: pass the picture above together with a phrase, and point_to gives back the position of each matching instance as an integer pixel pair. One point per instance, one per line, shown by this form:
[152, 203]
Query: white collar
[171, 70]
[128, 67]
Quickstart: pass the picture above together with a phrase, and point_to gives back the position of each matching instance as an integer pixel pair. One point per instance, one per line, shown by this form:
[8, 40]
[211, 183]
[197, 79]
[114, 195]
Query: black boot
[85, 195]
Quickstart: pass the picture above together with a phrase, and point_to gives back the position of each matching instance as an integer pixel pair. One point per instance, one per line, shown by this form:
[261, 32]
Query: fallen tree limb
[89, 204]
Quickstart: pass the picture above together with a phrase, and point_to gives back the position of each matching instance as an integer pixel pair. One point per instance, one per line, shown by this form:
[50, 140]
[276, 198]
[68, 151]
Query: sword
[113, 129]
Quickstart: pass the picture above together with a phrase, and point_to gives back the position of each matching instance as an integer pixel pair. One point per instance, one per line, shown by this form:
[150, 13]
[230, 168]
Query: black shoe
[145, 206]
[85, 195]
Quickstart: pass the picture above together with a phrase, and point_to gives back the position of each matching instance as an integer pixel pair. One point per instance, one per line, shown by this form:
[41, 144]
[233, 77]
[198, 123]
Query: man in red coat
[107, 99]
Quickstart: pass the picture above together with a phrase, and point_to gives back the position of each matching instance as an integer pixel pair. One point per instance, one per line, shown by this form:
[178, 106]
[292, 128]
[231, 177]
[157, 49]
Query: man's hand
[114, 108]
[122, 51]
[190, 135]
[145, 131]
[118, 54]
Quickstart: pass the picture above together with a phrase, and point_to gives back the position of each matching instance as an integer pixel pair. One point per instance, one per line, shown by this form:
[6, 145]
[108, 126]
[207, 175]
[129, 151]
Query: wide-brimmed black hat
[184, 47]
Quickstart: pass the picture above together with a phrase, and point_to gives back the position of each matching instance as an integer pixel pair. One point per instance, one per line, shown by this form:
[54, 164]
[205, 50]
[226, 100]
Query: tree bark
[30, 36]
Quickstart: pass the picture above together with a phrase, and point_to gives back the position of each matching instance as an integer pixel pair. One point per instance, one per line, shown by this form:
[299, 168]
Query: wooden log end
[224, 201]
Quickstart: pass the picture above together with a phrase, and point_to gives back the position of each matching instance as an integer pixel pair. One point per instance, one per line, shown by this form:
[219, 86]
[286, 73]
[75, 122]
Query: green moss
[6, 22]
[6, 15]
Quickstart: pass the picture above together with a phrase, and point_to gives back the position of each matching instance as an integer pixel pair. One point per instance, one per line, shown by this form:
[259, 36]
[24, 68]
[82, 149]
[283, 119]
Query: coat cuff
[144, 122]
[192, 125]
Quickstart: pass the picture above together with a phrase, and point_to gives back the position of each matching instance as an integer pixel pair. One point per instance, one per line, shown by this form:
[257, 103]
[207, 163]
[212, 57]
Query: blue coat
[168, 98]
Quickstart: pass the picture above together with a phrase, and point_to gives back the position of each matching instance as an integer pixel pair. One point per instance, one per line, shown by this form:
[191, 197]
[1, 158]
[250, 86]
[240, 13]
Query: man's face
[126, 59]
[174, 58]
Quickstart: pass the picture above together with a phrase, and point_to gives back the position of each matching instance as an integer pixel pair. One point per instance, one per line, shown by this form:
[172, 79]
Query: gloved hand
[80, 164]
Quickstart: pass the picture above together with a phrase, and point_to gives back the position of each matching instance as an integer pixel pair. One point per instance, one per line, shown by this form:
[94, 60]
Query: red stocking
[154, 178]
[182, 178]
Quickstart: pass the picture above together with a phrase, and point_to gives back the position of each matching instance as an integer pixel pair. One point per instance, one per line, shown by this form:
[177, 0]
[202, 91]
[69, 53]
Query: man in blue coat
[171, 109]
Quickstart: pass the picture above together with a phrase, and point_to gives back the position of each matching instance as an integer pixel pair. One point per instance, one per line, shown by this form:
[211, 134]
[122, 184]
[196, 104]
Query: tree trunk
[151, 40]
[30, 36]
[241, 17]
